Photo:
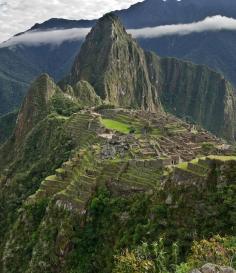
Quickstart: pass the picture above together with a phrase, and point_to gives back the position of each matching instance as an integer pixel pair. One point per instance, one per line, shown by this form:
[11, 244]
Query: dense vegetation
[7, 125]
[89, 187]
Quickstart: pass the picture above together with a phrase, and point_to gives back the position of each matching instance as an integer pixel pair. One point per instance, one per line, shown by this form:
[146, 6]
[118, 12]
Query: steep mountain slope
[80, 183]
[7, 125]
[159, 12]
[15, 74]
[195, 93]
[63, 215]
[20, 65]
[125, 76]
[84, 183]
[86, 94]
[120, 75]
[35, 106]
[214, 49]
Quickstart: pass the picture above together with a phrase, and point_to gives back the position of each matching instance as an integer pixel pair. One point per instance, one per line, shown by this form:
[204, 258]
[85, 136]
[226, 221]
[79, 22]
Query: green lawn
[222, 158]
[183, 165]
[116, 125]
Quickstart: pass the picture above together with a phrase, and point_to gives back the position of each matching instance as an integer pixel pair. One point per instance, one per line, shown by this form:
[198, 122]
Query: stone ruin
[183, 145]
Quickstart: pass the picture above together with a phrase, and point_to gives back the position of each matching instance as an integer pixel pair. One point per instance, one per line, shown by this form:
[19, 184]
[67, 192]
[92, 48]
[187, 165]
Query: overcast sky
[18, 15]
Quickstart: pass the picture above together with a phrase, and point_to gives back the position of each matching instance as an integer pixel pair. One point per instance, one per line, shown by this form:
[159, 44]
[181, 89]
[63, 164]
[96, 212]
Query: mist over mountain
[126, 164]
[158, 12]
[213, 48]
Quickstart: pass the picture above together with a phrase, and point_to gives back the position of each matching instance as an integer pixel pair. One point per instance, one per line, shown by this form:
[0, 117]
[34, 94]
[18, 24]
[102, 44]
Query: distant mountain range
[21, 64]
[92, 166]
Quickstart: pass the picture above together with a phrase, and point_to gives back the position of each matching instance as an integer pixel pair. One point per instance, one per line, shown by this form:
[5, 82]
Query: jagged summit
[35, 105]
[109, 17]
[113, 63]
[122, 74]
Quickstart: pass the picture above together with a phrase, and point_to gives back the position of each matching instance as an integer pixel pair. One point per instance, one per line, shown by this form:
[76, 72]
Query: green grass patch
[183, 165]
[222, 158]
[60, 171]
[51, 178]
[116, 125]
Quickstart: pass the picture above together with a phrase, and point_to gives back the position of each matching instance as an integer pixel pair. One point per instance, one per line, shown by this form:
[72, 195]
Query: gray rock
[213, 268]
[210, 268]
[225, 269]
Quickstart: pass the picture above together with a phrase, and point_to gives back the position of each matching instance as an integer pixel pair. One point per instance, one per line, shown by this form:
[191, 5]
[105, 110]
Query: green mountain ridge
[127, 76]
[90, 173]
[120, 75]
[53, 229]
[195, 93]
[7, 125]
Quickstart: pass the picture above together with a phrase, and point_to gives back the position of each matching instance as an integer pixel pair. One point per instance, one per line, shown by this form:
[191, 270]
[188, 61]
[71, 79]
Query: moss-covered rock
[86, 94]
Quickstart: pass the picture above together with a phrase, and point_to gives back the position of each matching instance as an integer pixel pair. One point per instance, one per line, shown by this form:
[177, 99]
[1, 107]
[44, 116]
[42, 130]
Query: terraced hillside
[98, 167]
[130, 158]
[84, 183]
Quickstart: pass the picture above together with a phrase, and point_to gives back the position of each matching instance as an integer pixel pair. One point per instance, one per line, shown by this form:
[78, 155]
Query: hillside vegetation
[92, 182]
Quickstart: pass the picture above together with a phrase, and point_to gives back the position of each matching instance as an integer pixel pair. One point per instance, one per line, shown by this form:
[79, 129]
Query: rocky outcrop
[123, 75]
[86, 94]
[196, 93]
[212, 268]
[35, 105]
[113, 63]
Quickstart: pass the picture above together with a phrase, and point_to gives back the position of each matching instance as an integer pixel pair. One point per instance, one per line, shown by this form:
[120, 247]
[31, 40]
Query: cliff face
[35, 105]
[123, 75]
[196, 93]
[112, 62]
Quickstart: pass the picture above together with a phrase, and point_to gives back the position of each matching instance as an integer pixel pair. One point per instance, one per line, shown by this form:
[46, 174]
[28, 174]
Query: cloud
[18, 15]
[56, 37]
[215, 23]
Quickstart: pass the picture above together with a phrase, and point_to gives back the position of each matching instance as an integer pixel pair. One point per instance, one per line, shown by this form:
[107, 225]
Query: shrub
[147, 258]
[218, 250]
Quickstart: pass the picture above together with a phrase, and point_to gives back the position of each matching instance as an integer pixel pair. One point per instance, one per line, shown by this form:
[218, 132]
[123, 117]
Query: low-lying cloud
[19, 15]
[54, 37]
[57, 37]
[215, 23]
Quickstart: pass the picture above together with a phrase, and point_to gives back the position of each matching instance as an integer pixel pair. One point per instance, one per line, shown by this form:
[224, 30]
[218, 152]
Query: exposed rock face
[113, 63]
[86, 94]
[196, 93]
[212, 268]
[35, 105]
[123, 75]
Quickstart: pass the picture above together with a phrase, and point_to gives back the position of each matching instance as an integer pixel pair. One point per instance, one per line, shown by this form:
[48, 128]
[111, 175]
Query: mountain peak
[109, 16]
[113, 63]
[35, 105]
